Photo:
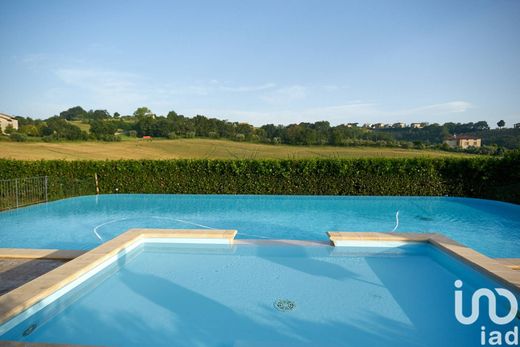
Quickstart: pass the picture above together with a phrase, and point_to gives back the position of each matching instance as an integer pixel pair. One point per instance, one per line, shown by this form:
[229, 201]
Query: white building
[6, 120]
[378, 126]
[463, 141]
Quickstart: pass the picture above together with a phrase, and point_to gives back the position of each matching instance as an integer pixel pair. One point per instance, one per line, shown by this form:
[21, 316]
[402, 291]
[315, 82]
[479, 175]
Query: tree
[73, 113]
[172, 114]
[98, 114]
[145, 126]
[143, 112]
[101, 129]
[9, 129]
[482, 125]
[29, 130]
[59, 128]
[501, 124]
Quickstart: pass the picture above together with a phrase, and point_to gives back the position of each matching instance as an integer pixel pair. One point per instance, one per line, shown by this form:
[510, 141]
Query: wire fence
[20, 192]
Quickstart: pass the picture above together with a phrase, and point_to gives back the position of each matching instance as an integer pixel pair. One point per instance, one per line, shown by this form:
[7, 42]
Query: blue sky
[265, 61]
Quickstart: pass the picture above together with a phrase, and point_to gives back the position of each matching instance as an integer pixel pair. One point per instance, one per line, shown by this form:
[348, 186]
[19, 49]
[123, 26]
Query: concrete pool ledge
[29, 253]
[489, 266]
[30, 294]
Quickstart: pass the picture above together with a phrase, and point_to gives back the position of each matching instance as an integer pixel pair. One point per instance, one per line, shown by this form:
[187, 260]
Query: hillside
[197, 148]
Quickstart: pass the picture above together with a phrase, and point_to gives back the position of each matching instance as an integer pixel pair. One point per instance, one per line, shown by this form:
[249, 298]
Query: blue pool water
[490, 227]
[209, 295]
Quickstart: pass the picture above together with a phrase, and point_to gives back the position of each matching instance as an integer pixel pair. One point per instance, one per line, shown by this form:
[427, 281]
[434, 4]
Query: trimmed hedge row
[486, 177]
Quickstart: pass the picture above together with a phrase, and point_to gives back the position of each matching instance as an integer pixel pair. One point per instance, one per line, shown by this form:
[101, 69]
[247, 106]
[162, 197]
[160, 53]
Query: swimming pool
[490, 227]
[264, 294]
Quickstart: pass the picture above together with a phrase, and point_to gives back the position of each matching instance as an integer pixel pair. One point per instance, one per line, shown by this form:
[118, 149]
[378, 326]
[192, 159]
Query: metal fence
[23, 191]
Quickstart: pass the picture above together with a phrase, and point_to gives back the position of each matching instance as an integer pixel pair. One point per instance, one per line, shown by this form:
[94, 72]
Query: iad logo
[495, 337]
[492, 305]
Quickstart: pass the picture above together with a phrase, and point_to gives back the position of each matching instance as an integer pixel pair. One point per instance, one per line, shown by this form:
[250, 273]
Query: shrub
[494, 178]
[109, 138]
[18, 137]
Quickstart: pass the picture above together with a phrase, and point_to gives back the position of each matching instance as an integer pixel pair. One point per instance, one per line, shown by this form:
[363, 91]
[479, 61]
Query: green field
[82, 125]
[197, 148]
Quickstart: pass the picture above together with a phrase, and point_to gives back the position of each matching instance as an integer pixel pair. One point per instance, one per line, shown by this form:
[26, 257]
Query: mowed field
[196, 149]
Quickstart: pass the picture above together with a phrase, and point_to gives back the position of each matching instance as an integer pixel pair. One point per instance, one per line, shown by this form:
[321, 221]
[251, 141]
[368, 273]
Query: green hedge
[486, 177]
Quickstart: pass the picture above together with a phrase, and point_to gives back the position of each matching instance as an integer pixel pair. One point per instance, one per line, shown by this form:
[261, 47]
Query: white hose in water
[195, 224]
[95, 230]
[205, 226]
[396, 221]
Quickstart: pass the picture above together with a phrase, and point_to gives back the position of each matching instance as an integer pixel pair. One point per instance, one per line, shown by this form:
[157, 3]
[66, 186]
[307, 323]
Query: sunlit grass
[131, 148]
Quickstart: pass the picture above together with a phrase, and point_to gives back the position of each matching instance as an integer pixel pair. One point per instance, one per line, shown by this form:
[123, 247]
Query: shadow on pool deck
[15, 272]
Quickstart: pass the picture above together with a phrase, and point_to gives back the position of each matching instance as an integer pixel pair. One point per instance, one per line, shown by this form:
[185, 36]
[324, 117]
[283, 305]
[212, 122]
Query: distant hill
[79, 124]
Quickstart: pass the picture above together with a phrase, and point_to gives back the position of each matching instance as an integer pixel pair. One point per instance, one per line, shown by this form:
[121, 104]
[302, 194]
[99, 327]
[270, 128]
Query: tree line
[143, 122]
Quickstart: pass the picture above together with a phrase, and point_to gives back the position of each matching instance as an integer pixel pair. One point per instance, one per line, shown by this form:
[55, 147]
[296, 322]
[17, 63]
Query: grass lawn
[197, 148]
[81, 125]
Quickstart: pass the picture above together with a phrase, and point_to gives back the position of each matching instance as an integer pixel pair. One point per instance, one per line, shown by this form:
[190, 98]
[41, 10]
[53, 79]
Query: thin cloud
[355, 111]
[447, 107]
[246, 89]
[282, 104]
[286, 95]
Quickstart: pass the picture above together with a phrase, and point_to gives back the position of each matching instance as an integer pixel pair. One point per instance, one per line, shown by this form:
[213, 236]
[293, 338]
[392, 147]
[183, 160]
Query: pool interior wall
[225, 295]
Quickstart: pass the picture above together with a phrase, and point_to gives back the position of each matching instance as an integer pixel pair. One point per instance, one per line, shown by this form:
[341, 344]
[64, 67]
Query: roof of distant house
[6, 116]
[463, 137]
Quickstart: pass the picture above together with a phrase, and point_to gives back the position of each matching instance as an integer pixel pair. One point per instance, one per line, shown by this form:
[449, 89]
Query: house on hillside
[463, 141]
[399, 125]
[516, 126]
[6, 120]
[378, 126]
[416, 125]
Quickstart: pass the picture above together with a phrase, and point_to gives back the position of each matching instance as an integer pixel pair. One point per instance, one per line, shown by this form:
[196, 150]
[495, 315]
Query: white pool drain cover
[284, 305]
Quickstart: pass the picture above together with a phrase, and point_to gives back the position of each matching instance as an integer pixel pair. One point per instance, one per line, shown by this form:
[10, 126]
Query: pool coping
[31, 293]
[30, 253]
